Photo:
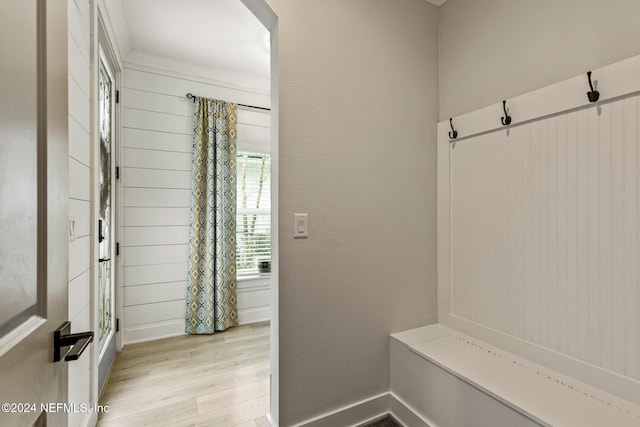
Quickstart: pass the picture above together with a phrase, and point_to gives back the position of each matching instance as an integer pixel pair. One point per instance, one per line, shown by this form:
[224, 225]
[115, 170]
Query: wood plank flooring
[219, 380]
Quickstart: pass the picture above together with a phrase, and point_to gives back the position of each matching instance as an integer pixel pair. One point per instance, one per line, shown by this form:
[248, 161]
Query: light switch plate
[300, 225]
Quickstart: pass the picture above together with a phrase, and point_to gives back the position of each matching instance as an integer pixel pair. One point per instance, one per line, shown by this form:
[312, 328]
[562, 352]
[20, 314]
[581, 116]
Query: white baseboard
[89, 420]
[152, 331]
[173, 328]
[254, 305]
[405, 414]
[369, 410]
[247, 316]
[353, 415]
[375, 420]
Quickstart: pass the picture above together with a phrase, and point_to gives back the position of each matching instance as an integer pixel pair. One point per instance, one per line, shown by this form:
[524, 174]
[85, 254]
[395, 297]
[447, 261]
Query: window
[253, 221]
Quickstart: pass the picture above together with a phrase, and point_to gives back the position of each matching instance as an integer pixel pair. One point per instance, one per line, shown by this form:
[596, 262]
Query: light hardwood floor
[215, 380]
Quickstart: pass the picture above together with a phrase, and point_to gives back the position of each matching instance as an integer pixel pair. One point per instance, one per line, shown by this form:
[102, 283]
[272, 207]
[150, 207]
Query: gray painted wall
[496, 49]
[358, 111]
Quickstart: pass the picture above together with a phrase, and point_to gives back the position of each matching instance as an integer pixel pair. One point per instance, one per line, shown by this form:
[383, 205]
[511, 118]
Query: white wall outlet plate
[72, 228]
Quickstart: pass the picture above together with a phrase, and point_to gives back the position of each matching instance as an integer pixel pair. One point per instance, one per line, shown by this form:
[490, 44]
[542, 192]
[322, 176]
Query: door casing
[104, 49]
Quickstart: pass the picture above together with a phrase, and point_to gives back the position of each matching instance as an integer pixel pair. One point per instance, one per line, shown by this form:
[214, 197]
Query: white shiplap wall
[79, 58]
[157, 132]
[545, 233]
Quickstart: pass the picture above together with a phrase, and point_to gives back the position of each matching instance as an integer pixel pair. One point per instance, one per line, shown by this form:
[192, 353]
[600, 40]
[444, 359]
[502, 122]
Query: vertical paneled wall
[155, 166]
[79, 48]
[545, 242]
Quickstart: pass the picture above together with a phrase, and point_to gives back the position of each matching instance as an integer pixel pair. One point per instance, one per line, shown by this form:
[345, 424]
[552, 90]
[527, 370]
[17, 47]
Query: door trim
[104, 47]
[261, 10]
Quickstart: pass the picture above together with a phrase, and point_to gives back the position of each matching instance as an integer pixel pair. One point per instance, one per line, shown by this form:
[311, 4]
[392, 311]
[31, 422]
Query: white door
[33, 209]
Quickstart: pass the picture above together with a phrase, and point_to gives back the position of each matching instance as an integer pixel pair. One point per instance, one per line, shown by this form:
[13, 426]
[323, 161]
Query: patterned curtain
[211, 296]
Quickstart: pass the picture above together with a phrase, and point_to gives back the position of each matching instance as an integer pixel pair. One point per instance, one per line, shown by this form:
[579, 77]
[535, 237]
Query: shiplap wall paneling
[167, 235]
[254, 300]
[155, 159]
[149, 274]
[158, 141]
[154, 293]
[545, 232]
[79, 309]
[156, 196]
[154, 254]
[172, 84]
[154, 312]
[152, 178]
[134, 216]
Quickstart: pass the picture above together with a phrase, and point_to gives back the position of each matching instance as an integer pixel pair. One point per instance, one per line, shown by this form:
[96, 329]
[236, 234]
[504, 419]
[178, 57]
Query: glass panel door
[105, 211]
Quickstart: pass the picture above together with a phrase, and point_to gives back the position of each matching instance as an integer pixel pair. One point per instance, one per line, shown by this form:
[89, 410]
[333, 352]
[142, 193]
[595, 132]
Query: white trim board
[366, 411]
[152, 331]
[405, 414]
[613, 82]
[248, 316]
[354, 414]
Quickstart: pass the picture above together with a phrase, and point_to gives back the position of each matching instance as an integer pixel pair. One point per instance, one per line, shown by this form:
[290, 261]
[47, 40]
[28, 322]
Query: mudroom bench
[441, 377]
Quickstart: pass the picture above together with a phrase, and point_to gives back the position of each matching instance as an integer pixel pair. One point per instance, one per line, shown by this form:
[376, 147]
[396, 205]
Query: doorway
[157, 123]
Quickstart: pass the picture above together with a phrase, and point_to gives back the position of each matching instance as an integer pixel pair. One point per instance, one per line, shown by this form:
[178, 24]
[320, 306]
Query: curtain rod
[193, 97]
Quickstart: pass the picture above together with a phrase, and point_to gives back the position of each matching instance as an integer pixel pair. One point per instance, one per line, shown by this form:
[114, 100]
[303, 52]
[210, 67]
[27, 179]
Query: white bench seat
[528, 393]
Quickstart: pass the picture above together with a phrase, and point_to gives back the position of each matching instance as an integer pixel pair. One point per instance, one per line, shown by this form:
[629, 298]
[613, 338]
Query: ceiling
[220, 36]
[219, 39]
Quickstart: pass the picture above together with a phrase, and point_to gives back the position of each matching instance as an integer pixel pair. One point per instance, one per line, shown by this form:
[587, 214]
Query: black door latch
[68, 345]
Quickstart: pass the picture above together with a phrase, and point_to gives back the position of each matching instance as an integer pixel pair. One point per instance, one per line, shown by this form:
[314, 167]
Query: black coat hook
[506, 120]
[593, 95]
[454, 133]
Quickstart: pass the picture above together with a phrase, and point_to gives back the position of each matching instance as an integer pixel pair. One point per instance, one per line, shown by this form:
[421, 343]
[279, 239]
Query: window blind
[253, 220]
